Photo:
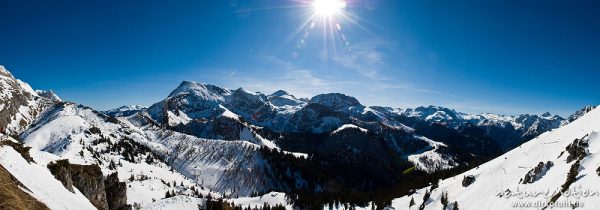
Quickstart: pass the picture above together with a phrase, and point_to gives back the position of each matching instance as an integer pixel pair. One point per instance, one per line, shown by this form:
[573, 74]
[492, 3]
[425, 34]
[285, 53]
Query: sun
[328, 8]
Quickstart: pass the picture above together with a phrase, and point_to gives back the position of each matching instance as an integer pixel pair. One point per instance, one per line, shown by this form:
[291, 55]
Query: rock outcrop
[116, 192]
[537, 172]
[104, 194]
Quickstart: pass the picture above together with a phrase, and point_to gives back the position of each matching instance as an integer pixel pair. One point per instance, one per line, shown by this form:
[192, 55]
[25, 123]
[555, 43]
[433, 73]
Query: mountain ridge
[242, 143]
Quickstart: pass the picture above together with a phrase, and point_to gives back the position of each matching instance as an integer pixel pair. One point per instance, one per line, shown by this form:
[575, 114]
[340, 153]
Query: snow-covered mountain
[19, 103]
[125, 111]
[579, 114]
[560, 167]
[507, 130]
[212, 112]
[206, 140]
[208, 111]
[49, 94]
[128, 161]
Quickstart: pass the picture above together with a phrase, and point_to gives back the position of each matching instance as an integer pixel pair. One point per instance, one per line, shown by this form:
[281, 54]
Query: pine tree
[455, 205]
[444, 200]
[112, 165]
[435, 184]
[412, 202]
[425, 198]
[168, 194]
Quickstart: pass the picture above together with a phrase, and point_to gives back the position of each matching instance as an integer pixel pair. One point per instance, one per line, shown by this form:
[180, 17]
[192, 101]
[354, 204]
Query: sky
[505, 57]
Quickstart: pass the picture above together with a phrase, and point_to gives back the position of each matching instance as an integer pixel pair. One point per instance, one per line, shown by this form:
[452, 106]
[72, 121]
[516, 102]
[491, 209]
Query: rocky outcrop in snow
[104, 193]
[537, 173]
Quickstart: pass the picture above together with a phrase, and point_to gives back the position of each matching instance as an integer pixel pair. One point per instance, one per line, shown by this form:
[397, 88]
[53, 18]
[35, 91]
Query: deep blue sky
[475, 56]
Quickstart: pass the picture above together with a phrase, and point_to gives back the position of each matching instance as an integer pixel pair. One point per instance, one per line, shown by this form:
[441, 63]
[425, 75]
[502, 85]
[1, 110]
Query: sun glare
[328, 8]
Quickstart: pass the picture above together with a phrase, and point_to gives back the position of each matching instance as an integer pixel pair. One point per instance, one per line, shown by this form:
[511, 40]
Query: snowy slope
[230, 167]
[85, 136]
[506, 173]
[179, 202]
[349, 126]
[41, 183]
[150, 159]
[433, 159]
[271, 198]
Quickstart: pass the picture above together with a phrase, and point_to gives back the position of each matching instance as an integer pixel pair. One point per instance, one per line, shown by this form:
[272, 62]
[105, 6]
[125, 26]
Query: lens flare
[326, 24]
[328, 8]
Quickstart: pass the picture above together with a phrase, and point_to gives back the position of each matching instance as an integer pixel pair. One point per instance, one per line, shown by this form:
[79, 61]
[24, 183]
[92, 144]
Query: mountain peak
[436, 113]
[242, 90]
[280, 93]
[184, 87]
[3, 70]
[49, 94]
[204, 91]
[336, 101]
[124, 111]
[129, 108]
[546, 114]
[579, 114]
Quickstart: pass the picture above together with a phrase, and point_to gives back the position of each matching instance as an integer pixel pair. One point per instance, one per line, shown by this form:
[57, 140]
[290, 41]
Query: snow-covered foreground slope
[38, 180]
[498, 184]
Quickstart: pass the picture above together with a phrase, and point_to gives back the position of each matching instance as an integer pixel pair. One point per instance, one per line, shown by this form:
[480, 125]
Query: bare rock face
[104, 194]
[577, 150]
[60, 170]
[537, 172]
[116, 193]
[12, 97]
[468, 180]
[19, 104]
[89, 180]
